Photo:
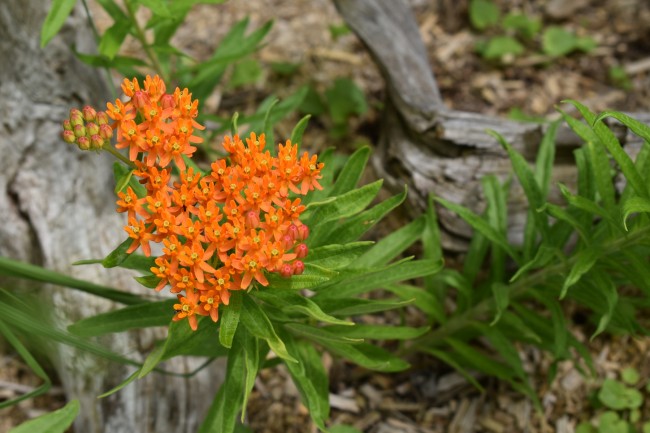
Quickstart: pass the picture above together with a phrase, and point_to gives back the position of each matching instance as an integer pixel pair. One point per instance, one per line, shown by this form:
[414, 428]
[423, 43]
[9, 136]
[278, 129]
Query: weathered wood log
[57, 206]
[432, 148]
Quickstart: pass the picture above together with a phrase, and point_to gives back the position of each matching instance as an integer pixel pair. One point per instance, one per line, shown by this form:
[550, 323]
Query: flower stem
[139, 34]
[118, 155]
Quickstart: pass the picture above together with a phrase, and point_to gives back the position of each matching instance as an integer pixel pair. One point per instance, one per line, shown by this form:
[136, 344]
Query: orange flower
[141, 236]
[188, 307]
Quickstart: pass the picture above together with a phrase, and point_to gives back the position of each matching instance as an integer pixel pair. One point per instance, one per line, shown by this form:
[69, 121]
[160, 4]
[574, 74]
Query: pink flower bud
[286, 242]
[298, 267]
[140, 99]
[83, 143]
[167, 101]
[286, 270]
[92, 129]
[105, 131]
[96, 142]
[301, 251]
[89, 113]
[68, 137]
[102, 118]
[67, 126]
[292, 231]
[303, 232]
[79, 131]
[252, 219]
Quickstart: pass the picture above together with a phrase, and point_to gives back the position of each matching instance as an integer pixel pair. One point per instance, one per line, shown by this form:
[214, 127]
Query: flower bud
[303, 232]
[83, 143]
[89, 113]
[79, 131]
[102, 118]
[286, 242]
[167, 101]
[140, 99]
[105, 131]
[96, 142]
[68, 136]
[292, 231]
[286, 270]
[252, 219]
[92, 129]
[298, 267]
[301, 251]
[76, 118]
[67, 126]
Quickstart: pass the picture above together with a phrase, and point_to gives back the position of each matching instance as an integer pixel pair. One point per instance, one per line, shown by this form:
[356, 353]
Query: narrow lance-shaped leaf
[586, 259]
[230, 319]
[54, 422]
[351, 172]
[391, 246]
[59, 12]
[258, 324]
[290, 301]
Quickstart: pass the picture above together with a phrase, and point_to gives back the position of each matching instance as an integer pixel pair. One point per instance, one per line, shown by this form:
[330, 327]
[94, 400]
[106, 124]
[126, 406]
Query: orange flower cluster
[219, 231]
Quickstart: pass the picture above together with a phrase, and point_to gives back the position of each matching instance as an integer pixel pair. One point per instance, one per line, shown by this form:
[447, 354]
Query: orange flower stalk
[222, 231]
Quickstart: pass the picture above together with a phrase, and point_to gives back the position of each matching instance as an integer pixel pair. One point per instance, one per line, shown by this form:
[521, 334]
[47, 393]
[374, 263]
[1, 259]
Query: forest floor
[309, 34]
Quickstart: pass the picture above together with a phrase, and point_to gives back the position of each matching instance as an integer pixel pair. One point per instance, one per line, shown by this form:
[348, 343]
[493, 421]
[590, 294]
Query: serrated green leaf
[54, 422]
[132, 317]
[58, 13]
[230, 319]
[258, 324]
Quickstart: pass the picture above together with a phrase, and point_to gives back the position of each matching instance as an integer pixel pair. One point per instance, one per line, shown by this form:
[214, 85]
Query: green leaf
[320, 334]
[366, 356]
[630, 375]
[421, 299]
[234, 129]
[634, 205]
[344, 99]
[27, 271]
[639, 128]
[113, 38]
[122, 182]
[336, 256]
[54, 422]
[607, 289]
[617, 396]
[252, 363]
[480, 225]
[247, 71]
[182, 340]
[158, 7]
[501, 294]
[379, 332]
[526, 25]
[351, 172]
[545, 159]
[365, 280]
[391, 246]
[152, 360]
[299, 130]
[356, 307]
[585, 260]
[310, 378]
[59, 12]
[258, 324]
[132, 317]
[222, 415]
[497, 216]
[230, 319]
[610, 422]
[314, 276]
[118, 255]
[291, 302]
[500, 46]
[342, 206]
[483, 14]
[31, 362]
[557, 41]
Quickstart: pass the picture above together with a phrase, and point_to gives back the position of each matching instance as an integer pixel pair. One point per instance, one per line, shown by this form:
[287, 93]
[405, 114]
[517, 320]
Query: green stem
[113, 151]
[139, 34]
[516, 290]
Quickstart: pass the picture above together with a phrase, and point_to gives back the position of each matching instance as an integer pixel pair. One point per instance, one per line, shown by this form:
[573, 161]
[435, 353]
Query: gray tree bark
[57, 206]
[434, 149]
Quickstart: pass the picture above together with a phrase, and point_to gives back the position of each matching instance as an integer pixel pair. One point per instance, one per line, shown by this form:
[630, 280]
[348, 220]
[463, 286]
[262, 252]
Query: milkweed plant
[255, 255]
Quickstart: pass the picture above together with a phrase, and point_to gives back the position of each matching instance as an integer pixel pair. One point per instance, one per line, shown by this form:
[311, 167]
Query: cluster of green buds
[87, 128]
